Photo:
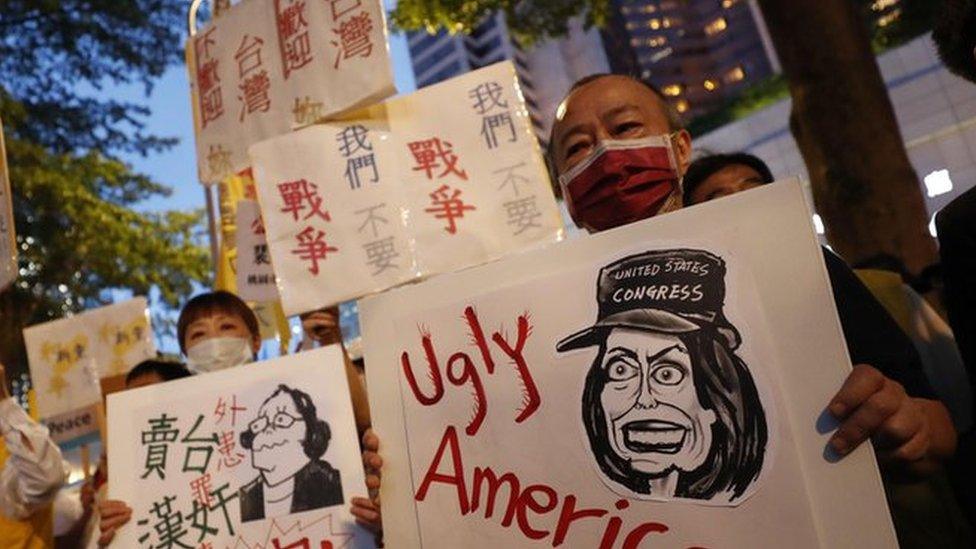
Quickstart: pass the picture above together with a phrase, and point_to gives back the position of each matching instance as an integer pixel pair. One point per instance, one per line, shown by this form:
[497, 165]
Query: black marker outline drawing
[316, 483]
[696, 428]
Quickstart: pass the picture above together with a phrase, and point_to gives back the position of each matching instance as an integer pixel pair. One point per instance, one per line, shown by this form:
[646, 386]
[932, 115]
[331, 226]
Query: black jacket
[873, 337]
[956, 224]
[317, 485]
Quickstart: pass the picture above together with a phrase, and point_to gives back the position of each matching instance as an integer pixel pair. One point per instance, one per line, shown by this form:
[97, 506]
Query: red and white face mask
[621, 182]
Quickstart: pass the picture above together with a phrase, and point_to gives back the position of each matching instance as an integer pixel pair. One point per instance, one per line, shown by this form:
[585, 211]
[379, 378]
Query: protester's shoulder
[958, 214]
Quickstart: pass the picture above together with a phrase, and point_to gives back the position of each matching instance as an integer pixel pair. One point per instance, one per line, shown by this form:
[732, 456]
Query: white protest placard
[68, 356]
[474, 178]
[261, 455]
[445, 178]
[266, 66]
[658, 384]
[255, 275]
[334, 233]
[8, 242]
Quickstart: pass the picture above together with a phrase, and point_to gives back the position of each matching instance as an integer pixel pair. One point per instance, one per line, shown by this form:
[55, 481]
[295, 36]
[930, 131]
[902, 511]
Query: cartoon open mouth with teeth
[670, 411]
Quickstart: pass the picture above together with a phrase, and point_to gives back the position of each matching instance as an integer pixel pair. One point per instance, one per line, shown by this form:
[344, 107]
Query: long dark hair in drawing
[287, 441]
[669, 409]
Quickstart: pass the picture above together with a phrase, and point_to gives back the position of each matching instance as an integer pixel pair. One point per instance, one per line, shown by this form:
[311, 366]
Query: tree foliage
[82, 216]
[528, 20]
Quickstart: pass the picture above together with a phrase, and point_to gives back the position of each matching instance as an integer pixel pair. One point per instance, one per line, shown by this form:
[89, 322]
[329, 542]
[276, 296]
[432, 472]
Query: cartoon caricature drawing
[287, 441]
[669, 409]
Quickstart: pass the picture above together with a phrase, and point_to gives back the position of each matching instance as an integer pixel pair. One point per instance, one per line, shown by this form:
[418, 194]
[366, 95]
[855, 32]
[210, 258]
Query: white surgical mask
[219, 353]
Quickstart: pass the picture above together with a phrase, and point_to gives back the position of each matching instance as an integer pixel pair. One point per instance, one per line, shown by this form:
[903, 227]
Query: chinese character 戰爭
[446, 204]
[433, 153]
[299, 195]
[312, 248]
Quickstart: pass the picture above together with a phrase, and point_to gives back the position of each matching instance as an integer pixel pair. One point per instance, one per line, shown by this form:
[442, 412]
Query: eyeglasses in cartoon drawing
[669, 409]
[287, 441]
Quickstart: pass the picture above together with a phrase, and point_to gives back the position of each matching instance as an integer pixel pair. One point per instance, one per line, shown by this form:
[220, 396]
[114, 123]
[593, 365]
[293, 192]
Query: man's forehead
[607, 92]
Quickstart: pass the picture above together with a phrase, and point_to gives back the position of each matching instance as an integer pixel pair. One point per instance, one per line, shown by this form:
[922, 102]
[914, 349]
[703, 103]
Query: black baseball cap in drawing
[665, 291]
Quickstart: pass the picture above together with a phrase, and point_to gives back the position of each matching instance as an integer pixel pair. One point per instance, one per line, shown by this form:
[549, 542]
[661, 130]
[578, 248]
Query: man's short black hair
[707, 166]
[168, 371]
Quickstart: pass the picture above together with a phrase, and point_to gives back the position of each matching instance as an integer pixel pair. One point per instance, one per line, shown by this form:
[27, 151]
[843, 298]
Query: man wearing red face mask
[619, 152]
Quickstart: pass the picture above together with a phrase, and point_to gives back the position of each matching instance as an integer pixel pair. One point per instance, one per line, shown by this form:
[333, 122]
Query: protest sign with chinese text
[659, 383]
[331, 237]
[255, 276]
[8, 242]
[423, 184]
[475, 182]
[260, 455]
[68, 357]
[266, 66]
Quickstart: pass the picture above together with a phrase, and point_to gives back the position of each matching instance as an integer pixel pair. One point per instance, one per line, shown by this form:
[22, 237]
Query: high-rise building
[545, 71]
[698, 52]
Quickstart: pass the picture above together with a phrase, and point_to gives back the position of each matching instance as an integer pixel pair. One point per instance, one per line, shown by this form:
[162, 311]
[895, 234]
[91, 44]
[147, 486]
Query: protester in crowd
[321, 327]
[955, 37]
[217, 330]
[94, 490]
[717, 175]
[151, 372]
[31, 473]
[619, 152]
[956, 225]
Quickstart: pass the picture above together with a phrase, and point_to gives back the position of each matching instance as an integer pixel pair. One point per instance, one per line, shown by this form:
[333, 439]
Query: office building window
[716, 26]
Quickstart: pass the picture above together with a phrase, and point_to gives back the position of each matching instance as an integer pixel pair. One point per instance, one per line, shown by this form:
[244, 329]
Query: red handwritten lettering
[433, 372]
[531, 398]
[535, 501]
[527, 501]
[468, 374]
[450, 441]
[481, 476]
[633, 539]
[568, 515]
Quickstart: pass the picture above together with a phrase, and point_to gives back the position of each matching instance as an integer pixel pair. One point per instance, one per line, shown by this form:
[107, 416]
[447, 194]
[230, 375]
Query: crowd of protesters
[910, 392]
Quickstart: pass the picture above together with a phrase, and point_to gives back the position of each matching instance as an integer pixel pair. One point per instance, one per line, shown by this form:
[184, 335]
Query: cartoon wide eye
[619, 370]
[283, 421]
[668, 374]
[259, 424]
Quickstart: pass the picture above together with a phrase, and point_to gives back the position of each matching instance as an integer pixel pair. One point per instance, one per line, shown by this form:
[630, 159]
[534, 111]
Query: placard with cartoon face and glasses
[260, 455]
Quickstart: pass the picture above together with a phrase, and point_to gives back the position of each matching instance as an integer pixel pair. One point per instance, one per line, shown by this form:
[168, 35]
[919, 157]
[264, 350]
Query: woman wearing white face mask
[217, 330]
